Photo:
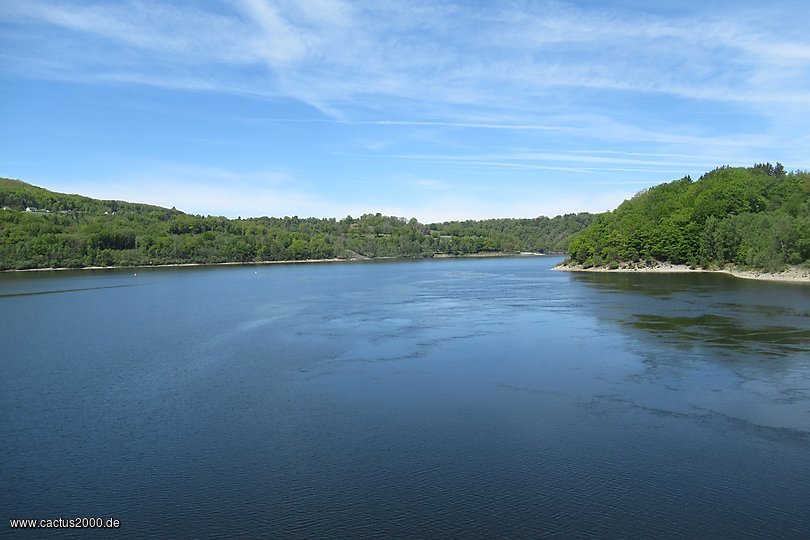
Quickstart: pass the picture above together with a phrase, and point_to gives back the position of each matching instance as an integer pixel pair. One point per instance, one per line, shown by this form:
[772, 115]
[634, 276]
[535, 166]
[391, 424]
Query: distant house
[6, 208]
[30, 209]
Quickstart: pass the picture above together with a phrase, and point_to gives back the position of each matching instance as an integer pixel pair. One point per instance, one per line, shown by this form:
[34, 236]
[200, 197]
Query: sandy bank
[358, 258]
[181, 265]
[794, 274]
[488, 254]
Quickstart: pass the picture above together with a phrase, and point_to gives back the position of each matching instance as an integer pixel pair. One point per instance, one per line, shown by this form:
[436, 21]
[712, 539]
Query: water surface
[449, 398]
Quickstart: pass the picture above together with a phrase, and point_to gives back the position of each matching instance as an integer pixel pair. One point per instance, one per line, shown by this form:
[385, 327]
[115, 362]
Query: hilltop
[750, 218]
[44, 229]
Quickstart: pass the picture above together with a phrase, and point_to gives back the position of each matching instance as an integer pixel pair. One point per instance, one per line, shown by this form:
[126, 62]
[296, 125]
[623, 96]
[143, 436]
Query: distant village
[46, 211]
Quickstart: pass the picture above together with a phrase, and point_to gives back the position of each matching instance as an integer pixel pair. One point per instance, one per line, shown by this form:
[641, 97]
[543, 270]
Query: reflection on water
[714, 344]
[58, 291]
[737, 318]
[453, 398]
[727, 334]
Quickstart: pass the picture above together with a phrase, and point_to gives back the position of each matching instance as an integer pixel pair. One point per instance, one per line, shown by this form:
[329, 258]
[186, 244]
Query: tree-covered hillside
[757, 217]
[44, 229]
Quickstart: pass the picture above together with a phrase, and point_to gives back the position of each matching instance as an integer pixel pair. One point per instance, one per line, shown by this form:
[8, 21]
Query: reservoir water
[463, 398]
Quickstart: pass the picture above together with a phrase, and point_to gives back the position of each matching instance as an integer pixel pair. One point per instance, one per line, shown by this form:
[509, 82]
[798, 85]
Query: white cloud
[253, 193]
[191, 35]
[332, 54]
[503, 87]
[203, 190]
[459, 206]
[280, 42]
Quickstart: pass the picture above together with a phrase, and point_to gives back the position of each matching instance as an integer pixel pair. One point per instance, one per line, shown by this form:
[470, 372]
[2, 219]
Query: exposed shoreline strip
[299, 261]
[794, 274]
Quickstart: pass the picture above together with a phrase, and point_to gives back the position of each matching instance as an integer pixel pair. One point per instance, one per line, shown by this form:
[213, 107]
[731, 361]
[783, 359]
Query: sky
[438, 110]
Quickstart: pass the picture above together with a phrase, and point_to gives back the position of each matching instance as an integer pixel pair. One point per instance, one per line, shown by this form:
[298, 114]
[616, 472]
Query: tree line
[44, 229]
[756, 217]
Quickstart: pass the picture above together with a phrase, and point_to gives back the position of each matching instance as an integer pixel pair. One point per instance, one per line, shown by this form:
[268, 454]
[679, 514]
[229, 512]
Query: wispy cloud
[613, 93]
[408, 123]
[204, 190]
[331, 53]
[583, 158]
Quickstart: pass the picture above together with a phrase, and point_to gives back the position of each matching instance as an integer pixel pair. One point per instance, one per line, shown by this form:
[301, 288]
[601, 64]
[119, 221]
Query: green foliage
[757, 217]
[74, 231]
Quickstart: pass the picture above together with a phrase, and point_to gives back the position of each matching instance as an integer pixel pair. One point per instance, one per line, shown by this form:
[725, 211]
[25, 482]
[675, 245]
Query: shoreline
[491, 254]
[299, 261]
[179, 265]
[794, 274]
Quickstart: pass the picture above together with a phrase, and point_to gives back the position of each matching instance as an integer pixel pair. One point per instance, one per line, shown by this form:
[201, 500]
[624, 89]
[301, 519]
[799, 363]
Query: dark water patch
[34, 293]
[768, 311]
[726, 332]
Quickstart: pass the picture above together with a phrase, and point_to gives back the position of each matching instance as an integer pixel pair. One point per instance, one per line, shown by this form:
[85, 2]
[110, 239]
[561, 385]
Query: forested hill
[44, 229]
[757, 217]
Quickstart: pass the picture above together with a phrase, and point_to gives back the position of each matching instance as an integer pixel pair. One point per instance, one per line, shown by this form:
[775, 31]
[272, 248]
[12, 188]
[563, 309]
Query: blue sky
[429, 109]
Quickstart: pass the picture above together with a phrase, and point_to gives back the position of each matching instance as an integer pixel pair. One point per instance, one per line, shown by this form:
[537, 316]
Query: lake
[459, 398]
